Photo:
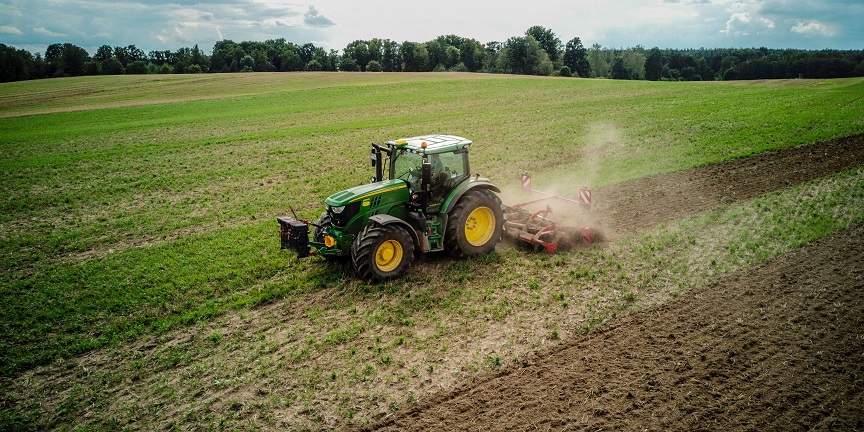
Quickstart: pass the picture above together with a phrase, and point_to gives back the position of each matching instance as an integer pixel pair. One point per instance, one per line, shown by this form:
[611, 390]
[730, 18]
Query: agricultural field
[143, 286]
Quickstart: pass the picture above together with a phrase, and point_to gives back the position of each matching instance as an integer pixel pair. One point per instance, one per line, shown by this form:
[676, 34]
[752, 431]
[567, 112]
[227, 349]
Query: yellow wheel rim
[388, 256]
[480, 226]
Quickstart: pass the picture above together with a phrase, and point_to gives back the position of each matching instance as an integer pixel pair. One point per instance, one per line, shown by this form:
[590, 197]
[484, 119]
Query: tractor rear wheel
[475, 224]
[382, 252]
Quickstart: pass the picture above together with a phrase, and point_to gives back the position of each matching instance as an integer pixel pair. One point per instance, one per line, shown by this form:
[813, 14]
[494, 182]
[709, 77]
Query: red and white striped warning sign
[585, 196]
[526, 181]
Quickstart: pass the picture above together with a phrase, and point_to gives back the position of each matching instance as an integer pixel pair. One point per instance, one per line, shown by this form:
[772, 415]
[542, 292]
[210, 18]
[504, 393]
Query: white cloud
[315, 19]
[744, 24]
[10, 30]
[45, 32]
[814, 28]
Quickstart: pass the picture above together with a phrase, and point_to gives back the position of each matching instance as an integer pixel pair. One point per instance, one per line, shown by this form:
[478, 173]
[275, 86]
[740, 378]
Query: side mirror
[426, 175]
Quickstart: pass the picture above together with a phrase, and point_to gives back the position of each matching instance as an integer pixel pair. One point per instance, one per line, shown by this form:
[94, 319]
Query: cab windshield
[407, 166]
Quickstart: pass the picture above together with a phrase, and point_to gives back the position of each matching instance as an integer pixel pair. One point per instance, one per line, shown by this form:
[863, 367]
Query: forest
[538, 52]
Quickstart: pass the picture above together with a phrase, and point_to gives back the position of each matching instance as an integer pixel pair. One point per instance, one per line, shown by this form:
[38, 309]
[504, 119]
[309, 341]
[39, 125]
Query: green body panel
[463, 187]
[386, 197]
[365, 191]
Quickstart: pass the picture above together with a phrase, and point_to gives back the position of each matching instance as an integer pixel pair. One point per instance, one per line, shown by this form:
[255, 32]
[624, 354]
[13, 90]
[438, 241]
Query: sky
[171, 24]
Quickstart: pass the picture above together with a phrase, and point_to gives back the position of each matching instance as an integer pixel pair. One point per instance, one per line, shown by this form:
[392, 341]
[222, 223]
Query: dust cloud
[587, 166]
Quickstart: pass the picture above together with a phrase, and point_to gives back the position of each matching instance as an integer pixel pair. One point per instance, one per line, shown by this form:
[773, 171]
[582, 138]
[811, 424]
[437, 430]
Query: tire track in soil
[779, 346]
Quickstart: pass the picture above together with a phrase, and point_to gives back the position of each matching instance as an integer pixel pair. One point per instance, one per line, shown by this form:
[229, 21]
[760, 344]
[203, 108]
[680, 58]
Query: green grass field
[136, 206]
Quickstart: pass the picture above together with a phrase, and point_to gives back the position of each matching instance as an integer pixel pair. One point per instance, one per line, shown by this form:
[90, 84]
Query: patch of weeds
[499, 310]
[344, 333]
[490, 258]
[460, 271]
[594, 321]
[369, 370]
[493, 362]
[413, 399]
[488, 294]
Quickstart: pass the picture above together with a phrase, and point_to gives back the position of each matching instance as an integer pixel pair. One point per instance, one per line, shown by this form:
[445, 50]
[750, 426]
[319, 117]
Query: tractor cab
[432, 165]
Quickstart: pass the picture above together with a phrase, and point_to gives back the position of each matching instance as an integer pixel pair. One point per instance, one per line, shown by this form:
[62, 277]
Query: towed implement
[541, 229]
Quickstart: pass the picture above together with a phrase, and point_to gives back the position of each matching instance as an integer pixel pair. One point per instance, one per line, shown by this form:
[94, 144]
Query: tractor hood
[364, 193]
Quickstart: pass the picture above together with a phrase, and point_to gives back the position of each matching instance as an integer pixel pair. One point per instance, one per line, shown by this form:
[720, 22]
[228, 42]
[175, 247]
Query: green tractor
[423, 198]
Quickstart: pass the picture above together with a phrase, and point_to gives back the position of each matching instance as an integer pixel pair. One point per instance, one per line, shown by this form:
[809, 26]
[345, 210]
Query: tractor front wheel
[318, 233]
[382, 252]
[475, 224]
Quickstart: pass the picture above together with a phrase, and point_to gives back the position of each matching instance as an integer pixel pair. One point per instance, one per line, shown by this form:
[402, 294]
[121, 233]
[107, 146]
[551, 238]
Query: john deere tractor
[422, 198]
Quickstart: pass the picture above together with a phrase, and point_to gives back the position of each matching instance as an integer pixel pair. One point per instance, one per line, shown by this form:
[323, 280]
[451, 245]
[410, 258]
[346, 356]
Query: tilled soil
[779, 346]
[650, 201]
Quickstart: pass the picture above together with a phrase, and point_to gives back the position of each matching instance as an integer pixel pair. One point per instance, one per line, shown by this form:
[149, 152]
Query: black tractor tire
[318, 233]
[475, 224]
[382, 252]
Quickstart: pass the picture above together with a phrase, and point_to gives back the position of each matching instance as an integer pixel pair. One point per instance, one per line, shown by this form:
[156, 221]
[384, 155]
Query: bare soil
[779, 346]
[650, 201]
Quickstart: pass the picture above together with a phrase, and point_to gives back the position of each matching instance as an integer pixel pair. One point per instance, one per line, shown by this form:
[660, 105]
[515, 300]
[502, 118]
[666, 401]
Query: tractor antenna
[293, 212]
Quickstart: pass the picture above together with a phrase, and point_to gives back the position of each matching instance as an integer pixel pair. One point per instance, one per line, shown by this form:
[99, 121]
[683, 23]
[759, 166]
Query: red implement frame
[540, 228]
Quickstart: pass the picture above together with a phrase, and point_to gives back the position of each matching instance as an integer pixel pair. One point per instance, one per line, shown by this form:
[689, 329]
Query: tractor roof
[434, 143]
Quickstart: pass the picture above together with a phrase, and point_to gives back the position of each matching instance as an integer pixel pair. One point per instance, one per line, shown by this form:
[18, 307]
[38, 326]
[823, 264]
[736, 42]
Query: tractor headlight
[337, 210]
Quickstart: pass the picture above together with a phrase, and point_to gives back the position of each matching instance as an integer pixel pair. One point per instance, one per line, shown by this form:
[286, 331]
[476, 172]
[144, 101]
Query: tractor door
[448, 171]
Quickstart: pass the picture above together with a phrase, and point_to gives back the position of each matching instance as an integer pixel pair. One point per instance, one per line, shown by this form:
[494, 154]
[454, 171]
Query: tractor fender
[383, 219]
[454, 198]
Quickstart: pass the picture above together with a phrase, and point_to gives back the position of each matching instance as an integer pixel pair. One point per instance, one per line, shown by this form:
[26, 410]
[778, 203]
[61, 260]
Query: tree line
[538, 52]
